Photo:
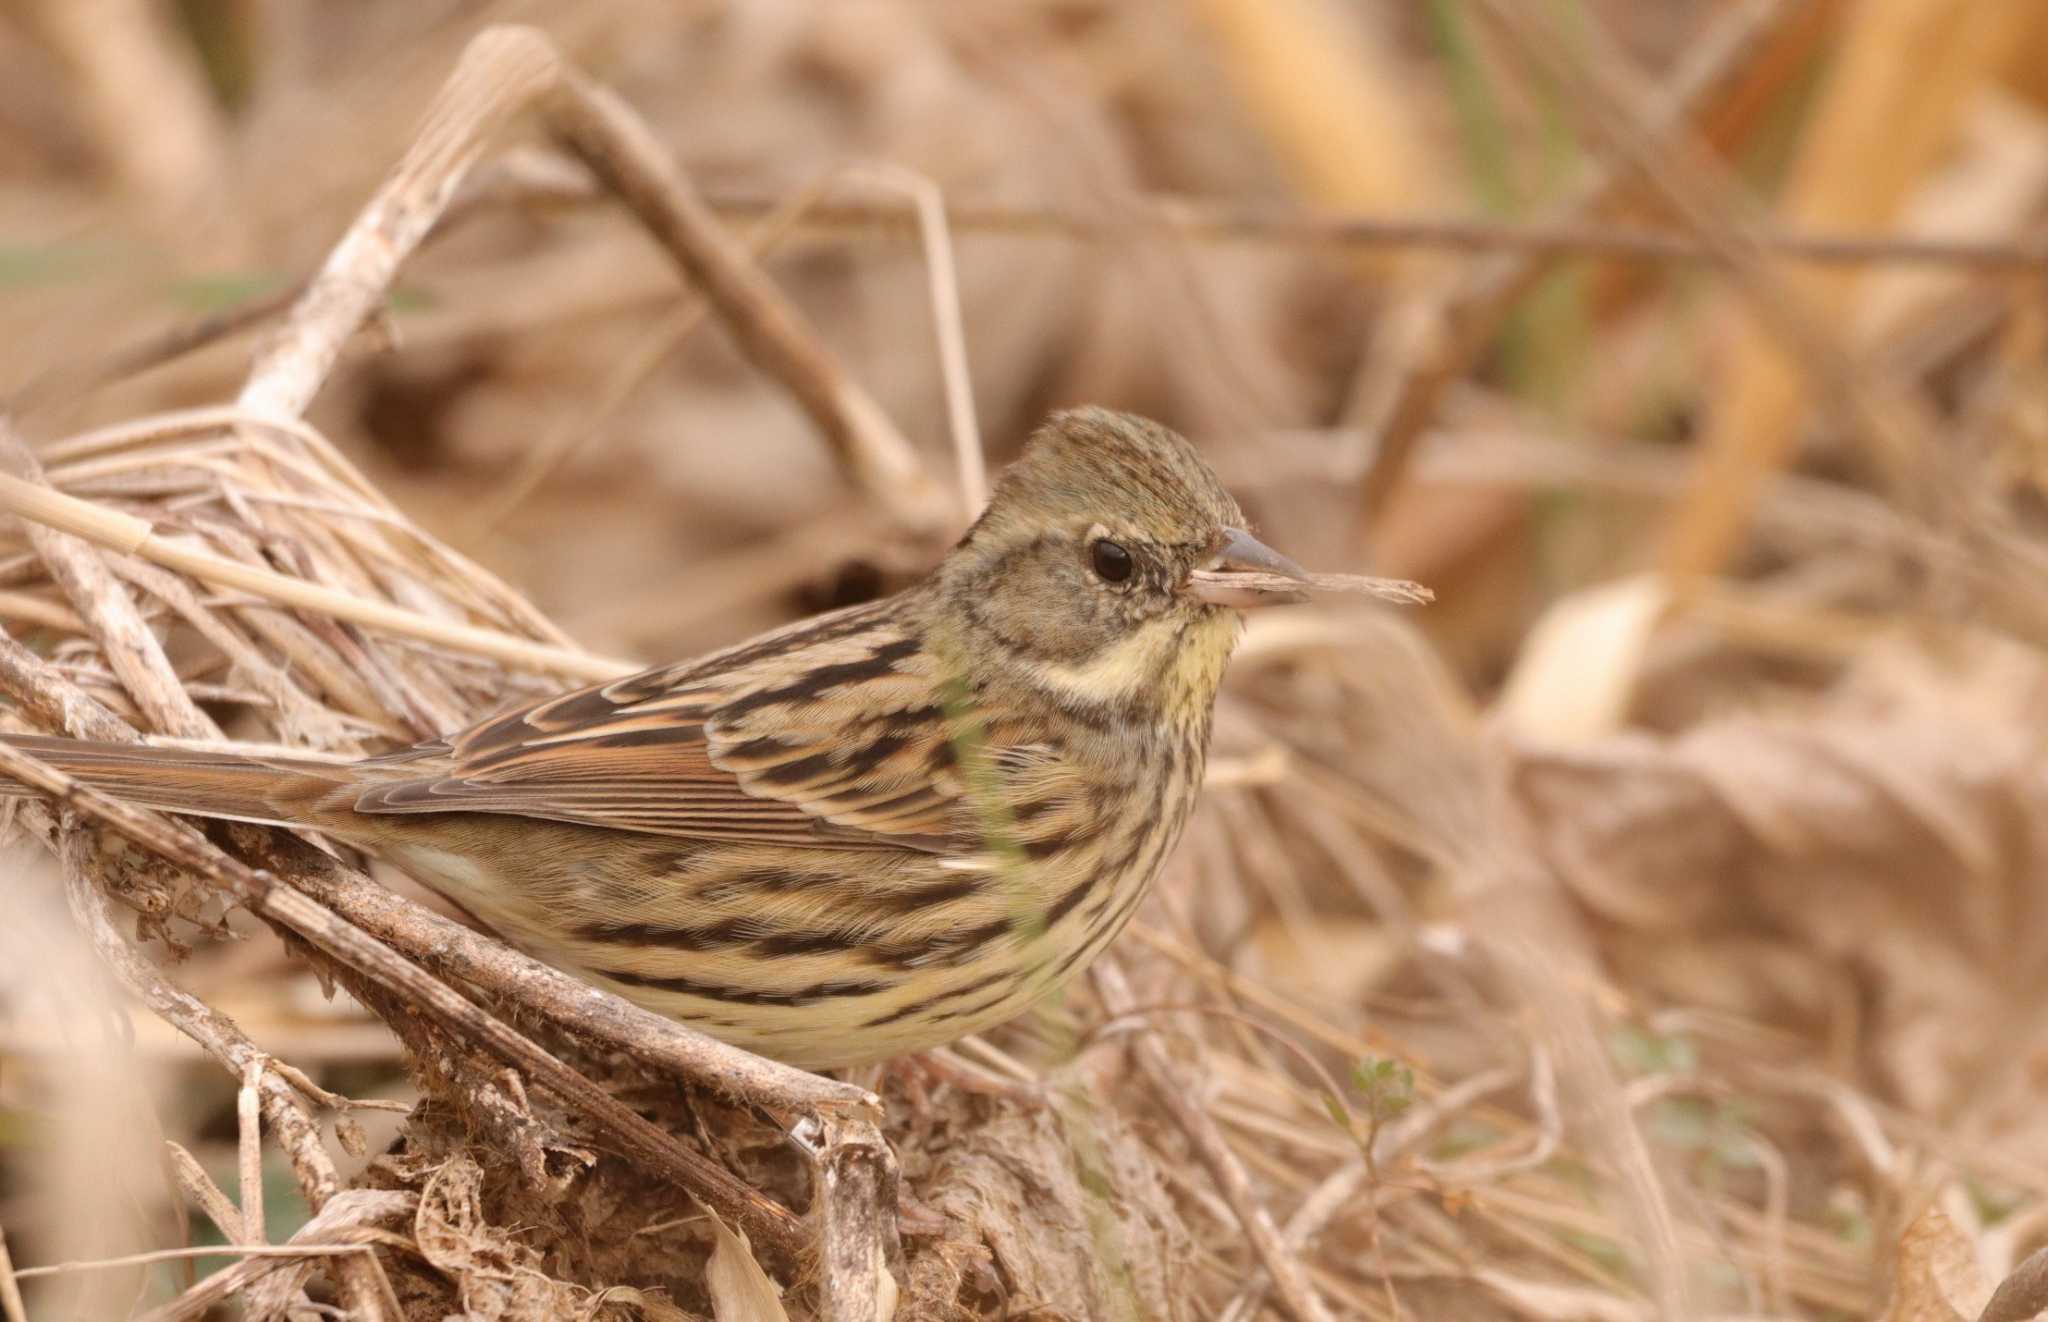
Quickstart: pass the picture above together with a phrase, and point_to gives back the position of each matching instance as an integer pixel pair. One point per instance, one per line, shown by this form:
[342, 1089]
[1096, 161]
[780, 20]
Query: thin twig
[349, 1214]
[928, 203]
[152, 351]
[768, 328]
[500, 73]
[1337, 1189]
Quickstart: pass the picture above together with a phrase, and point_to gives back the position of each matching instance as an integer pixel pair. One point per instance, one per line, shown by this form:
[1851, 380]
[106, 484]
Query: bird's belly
[817, 957]
[824, 994]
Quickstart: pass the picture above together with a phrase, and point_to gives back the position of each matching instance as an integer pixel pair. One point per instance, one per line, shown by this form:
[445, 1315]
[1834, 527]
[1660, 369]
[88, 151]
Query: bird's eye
[1111, 561]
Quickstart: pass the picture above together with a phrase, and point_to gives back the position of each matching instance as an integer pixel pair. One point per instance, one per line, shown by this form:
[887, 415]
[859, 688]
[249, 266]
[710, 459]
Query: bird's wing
[830, 732]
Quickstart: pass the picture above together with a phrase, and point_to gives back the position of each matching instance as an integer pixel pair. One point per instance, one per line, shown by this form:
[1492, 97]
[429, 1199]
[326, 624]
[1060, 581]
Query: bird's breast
[822, 956]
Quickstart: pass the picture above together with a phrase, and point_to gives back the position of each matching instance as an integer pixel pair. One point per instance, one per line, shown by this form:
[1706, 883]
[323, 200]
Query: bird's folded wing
[850, 749]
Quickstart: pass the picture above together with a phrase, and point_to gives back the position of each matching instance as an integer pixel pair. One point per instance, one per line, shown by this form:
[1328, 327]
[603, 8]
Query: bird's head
[1082, 571]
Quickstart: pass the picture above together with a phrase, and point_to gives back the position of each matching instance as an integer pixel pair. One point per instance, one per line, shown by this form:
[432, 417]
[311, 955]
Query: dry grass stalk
[553, 182]
[1173, 1090]
[1394, 591]
[352, 1223]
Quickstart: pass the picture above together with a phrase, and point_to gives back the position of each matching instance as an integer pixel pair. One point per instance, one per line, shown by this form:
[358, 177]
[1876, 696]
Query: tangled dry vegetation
[1652, 928]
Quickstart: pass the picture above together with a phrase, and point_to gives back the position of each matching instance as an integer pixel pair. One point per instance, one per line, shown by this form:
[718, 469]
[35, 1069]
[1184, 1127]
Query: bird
[863, 834]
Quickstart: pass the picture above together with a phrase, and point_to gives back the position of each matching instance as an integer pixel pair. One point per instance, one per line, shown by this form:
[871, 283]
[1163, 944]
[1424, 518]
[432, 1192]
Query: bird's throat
[1168, 668]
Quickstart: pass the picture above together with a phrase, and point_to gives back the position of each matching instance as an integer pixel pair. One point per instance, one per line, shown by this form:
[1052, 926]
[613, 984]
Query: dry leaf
[1579, 665]
[1888, 841]
[740, 1290]
[1937, 1278]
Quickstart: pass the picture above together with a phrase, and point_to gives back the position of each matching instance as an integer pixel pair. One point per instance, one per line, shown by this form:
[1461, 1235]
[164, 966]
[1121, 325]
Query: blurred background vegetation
[1692, 351]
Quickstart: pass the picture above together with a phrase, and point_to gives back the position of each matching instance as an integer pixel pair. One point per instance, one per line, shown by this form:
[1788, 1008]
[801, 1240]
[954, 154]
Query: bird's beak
[1247, 573]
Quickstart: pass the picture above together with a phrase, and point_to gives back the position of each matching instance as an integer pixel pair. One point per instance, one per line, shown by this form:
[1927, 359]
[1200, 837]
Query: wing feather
[828, 733]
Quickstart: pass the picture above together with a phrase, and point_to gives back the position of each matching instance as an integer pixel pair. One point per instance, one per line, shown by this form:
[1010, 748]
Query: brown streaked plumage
[866, 833]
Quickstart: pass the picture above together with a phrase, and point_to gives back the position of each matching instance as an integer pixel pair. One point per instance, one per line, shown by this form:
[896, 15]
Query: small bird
[866, 833]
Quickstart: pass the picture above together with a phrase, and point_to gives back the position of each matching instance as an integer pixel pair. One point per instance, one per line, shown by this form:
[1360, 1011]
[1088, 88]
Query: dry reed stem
[131, 648]
[297, 714]
[283, 1251]
[942, 283]
[503, 71]
[500, 74]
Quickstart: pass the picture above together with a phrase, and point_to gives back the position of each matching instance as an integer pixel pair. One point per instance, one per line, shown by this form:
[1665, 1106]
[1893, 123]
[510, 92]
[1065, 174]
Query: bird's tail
[244, 787]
